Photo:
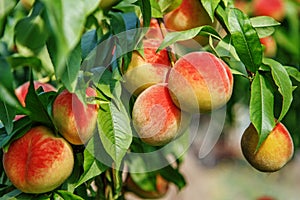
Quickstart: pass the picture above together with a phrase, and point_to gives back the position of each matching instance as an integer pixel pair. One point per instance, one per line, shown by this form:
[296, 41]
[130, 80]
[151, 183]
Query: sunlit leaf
[262, 107]
[245, 39]
[282, 80]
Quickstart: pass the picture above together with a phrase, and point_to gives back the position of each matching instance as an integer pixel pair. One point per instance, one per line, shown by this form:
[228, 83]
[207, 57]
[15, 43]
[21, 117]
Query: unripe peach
[272, 8]
[74, 120]
[156, 118]
[190, 14]
[22, 90]
[147, 70]
[39, 161]
[273, 153]
[199, 81]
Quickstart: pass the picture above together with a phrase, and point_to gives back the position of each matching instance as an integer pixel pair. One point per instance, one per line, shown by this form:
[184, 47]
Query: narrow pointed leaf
[282, 80]
[245, 39]
[262, 107]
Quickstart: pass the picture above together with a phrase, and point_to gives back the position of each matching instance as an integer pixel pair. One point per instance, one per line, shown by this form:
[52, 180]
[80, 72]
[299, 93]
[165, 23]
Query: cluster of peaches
[168, 89]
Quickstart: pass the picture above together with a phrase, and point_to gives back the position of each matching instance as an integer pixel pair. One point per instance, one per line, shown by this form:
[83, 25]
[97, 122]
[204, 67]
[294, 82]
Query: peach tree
[74, 45]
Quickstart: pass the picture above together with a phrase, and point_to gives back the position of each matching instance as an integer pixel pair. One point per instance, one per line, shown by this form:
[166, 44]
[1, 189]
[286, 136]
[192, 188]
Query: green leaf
[16, 61]
[20, 127]
[92, 165]
[6, 6]
[168, 5]
[38, 108]
[114, 127]
[245, 39]
[69, 77]
[173, 175]
[172, 37]
[88, 42]
[7, 114]
[293, 72]
[262, 107]
[146, 9]
[62, 195]
[11, 195]
[65, 19]
[264, 25]
[284, 84]
[156, 11]
[210, 7]
[6, 87]
[31, 32]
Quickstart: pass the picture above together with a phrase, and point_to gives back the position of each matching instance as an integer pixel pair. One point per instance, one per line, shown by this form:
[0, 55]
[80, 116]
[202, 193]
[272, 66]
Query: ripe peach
[154, 31]
[161, 189]
[39, 161]
[190, 14]
[22, 90]
[156, 118]
[145, 71]
[274, 152]
[199, 81]
[272, 8]
[74, 120]
[270, 46]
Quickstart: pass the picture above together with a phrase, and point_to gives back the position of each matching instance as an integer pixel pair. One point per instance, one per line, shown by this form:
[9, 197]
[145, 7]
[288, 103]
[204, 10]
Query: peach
[190, 14]
[147, 70]
[22, 90]
[272, 8]
[154, 31]
[75, 121]
[39, 161]
[156, 118]
[161, 189]
[270, 46]
[274, 152]
[200, 82]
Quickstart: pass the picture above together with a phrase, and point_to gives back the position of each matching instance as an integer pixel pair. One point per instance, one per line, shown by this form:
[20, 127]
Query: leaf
[284, 84]
[6, 6]
[69, 77]
[65, 20]
[293, 72]
[62, 195]
[88, 42]
[6, 87]
[11, 195]
[7, 114]
[262, 107]
[38, 109]
[114, 127]
[95, 161]
[173, 175]
[264, 25]
[172, 37]
[210, 7]
[146, 9]
[16, 61]
[156, 11]
[245, 39]
[168, 5]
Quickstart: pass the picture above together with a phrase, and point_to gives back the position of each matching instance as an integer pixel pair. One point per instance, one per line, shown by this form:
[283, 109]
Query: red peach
[190, 14]
[199, 81]
[39, 161]
[274, 152]
[156, 118]
[272, 8]
[147, 70]
[22, 90]
[154, 31]
[270, 46]
[74, 120]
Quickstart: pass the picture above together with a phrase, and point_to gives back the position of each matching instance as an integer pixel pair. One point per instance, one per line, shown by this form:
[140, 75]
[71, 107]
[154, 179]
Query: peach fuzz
[271, 8]
[275, 151]
[39, 161]
[190, 14]
[22, 90]
[200, 82]
[75, 121]
[148, 69]
[156, 118]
